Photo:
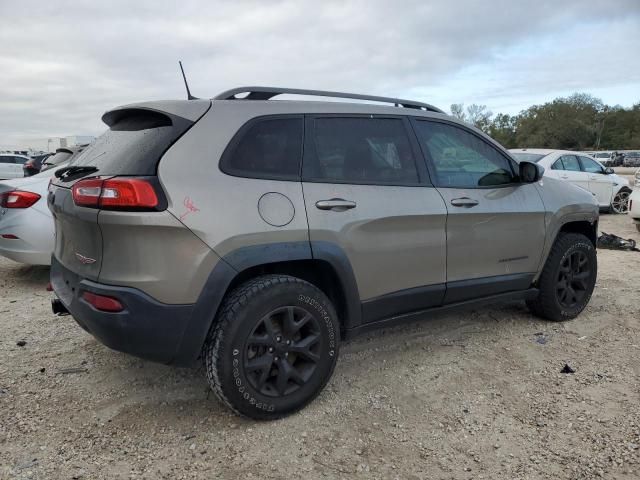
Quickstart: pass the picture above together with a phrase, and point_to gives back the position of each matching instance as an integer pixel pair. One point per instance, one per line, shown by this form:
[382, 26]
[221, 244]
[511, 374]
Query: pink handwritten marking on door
[190, 206]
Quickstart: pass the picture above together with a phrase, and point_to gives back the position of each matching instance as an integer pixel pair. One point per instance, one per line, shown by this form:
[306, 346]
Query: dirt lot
[471, 395]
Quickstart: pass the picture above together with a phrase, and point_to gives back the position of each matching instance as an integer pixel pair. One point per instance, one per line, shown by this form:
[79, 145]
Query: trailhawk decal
[85, 260]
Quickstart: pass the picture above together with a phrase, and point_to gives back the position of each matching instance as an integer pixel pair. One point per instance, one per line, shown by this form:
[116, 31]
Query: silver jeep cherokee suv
[254, 234]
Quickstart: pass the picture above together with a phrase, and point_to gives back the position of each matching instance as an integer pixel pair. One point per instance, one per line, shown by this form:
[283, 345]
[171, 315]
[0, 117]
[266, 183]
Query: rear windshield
[528, 157]
[133, 144]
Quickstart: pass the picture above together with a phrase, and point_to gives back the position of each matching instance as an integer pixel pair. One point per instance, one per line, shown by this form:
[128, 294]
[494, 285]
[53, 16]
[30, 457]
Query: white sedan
[611, 191]
[11, 165]
[634, 202]
[26, 225]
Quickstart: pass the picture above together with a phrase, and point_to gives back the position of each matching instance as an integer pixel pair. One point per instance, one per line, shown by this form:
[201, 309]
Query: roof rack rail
[266, 93]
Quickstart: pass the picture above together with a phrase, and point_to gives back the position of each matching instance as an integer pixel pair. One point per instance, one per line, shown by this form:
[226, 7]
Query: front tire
[620, 202]
[273, 348]
[567, 279]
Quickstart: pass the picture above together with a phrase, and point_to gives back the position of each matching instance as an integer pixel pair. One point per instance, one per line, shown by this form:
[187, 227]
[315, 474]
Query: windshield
[528, 157]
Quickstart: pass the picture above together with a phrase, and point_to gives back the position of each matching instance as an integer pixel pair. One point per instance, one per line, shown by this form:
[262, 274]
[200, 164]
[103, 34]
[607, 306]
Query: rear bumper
[146, 328]
[28, 258]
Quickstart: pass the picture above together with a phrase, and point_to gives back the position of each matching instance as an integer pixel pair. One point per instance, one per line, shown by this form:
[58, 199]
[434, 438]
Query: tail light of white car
[18, 199]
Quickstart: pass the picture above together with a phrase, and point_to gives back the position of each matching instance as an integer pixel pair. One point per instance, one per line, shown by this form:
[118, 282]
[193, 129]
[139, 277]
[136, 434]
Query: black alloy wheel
[573, 276]
[283, 351]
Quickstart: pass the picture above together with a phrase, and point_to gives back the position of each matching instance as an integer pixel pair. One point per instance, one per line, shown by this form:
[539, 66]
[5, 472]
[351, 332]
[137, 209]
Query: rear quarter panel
[222, 209]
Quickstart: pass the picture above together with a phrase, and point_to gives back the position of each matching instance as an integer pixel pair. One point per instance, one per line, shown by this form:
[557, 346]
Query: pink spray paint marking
[189, 205]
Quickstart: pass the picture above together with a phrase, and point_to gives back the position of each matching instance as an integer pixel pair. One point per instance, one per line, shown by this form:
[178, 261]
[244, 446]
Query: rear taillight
[102, 302]
[86, 193]
[115, 194]
[18, 199]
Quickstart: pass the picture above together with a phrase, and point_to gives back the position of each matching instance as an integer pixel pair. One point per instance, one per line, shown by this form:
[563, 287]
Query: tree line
[577, 122]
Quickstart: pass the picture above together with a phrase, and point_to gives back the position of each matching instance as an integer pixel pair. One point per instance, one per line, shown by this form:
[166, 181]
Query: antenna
[189, 96]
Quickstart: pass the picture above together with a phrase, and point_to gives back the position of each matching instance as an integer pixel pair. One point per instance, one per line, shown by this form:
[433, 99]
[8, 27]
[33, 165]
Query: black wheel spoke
[269, 327]
[581, 279]
[261, 363]
[562, 296]
[260, 340]
[289, 322]
[303, 347]
[303, 321]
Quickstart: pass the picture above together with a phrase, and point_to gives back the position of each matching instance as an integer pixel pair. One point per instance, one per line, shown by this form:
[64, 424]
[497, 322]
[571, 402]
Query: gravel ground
[468, 395]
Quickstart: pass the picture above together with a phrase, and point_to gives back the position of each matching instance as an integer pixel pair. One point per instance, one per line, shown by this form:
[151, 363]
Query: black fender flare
[234, 263]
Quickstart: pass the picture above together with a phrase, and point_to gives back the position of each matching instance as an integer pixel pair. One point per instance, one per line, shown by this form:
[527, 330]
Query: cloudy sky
[62, 64]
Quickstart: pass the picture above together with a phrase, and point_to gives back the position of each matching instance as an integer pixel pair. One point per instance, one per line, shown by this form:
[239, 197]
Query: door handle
[593, 178]
[464, 202]
[564, 176]
[335, 204]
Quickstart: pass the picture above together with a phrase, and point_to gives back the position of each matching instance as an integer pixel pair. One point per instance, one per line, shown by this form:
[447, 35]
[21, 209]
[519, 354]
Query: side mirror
[530, 172]
[609, 171]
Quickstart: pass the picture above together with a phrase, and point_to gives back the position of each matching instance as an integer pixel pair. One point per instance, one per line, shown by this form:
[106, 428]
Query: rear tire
[567, 279]
[273, 348]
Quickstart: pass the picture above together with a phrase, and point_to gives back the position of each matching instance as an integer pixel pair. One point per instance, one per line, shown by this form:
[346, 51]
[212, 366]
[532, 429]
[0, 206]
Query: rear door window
[6, 159]
[569, 163]
[360, 150]
[268, 147]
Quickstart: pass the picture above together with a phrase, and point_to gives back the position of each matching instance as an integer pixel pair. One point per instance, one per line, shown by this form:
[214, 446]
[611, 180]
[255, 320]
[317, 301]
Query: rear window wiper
[71, 171]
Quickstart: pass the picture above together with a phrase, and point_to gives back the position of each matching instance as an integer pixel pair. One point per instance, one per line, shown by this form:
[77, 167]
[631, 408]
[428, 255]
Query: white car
[611, 191]
[26, 225]
[634, 202]
[605, 158]
[11, 165]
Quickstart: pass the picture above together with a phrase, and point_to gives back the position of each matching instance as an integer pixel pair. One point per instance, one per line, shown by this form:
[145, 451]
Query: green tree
[503, 130]
[566, 123]
[578, 122]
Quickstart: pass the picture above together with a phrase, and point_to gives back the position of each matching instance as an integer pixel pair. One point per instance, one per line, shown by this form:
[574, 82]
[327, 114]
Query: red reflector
[9, 236]
[49, 287]
[101, 302]
[115, 193]
[18, 199]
